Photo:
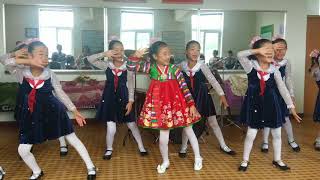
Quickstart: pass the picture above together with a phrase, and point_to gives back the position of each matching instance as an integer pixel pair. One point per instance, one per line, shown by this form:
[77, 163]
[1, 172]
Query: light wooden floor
[127, 164]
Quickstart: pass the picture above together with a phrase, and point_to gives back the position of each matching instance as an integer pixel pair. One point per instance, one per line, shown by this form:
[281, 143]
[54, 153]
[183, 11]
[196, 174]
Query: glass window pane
[194, 22]
[202, 43]
[211, 43]
[56, 18]
[143, 40]
[128, 40]
[211, 22]
[65, 39]
[136, 21]
[49, 37]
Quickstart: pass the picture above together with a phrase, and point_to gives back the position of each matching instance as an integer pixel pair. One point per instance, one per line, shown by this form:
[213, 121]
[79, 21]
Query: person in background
[230, 61]
[215, 62]
[59, 57]
[81, 59]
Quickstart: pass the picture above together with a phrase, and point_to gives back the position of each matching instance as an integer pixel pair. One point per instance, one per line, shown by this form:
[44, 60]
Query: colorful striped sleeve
[183, 86]
[134, 64]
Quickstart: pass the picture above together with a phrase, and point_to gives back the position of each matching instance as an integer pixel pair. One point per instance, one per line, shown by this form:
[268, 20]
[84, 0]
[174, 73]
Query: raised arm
[289, 82]
[97, 62]
[212, 80]
[134, 64]
[184, 87]
[60, 94]
[244, 60]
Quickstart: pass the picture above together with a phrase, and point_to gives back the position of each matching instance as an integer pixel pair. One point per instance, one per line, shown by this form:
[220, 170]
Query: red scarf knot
[116, 78]
[262, 82]
[32, 94]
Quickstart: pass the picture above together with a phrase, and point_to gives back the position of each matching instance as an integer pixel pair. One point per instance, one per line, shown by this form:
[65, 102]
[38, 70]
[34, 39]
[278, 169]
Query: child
[315, 71]
[168, 102]
[262, 105]
[21, 51]
[42, 115]
[284, 66]
[117, 97]
[2, 173]
[196, 73]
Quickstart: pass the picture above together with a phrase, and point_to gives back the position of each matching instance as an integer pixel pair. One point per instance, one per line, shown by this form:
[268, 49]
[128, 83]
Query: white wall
[313, 7]
[238, 28]
[270, 18]
[295, 30]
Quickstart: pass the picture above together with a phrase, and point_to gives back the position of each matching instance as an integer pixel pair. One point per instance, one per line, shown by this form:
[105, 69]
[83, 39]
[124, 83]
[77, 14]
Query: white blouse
[21, 71]
[248, 65]
[206, 72]
[103, 65]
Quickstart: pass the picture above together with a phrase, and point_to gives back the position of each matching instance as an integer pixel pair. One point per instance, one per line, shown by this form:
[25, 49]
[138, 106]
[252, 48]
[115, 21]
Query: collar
[122, 67]
[195, 68]
[281, 63]
[43, 76]
[256, 66]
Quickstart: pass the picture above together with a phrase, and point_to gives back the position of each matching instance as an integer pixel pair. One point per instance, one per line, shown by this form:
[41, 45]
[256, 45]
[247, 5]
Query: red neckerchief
[116, 77]
[262, 82]
[32, 94]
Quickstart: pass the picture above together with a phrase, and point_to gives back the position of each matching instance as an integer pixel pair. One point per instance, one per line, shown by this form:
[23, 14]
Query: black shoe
[92, 176]
[283, 168]
[231, 153]
[37, 176]
[264, 150]
[62, 153]
[107, 157]
[145, 153]
[243, 168]
[317, 148]
[2, 173]
[295, 149]
[183, 154]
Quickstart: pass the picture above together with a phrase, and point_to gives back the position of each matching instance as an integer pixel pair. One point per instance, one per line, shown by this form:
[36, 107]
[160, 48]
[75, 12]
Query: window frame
[137, 31]
[57, 28]
[205, 31]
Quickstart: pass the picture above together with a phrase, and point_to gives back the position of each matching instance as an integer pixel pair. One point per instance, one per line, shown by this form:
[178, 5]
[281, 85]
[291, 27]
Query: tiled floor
[127, 163]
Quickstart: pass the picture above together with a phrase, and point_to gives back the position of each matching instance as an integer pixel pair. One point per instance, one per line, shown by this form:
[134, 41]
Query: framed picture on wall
[31, 32]
[266, 32]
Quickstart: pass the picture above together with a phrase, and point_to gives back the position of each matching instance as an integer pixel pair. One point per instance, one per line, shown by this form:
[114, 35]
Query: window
[136, 29]
[55, 27]
[207, 29]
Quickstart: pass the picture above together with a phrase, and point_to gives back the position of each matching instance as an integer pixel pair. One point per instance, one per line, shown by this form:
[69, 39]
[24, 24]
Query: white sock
[28, 158]
[63, 144]
[163, 145]
[216, 130]
[266, 133]
[248, 142]
[184, 142]
[111, 131]
[62, 141]
[75, 142]
[193, 141]
[288, 127]
[136, 134]
[276, 142]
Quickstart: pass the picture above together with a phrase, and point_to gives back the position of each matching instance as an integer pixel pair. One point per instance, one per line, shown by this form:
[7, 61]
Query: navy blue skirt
[258, 111]
[48, 121]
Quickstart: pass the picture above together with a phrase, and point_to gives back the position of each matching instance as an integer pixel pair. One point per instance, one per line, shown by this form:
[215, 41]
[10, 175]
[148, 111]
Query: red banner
[183, 1]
